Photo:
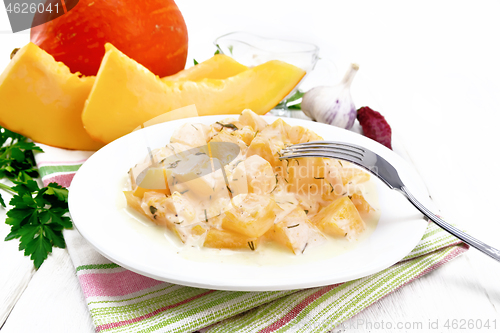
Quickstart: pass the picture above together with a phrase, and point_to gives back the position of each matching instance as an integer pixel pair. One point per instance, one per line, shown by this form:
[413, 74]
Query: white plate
[95, 202]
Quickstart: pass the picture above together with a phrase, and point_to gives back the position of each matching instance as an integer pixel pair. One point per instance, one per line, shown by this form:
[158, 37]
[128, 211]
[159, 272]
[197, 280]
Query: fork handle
[467, 239]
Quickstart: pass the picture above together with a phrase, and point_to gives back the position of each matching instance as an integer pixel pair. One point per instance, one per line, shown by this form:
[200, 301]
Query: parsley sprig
[38, 215]
[17, 161]
[37, 218]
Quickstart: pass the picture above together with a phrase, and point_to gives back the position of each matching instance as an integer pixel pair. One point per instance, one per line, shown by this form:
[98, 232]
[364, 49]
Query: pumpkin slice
[126, 94]
[43, 100]
[220, 66]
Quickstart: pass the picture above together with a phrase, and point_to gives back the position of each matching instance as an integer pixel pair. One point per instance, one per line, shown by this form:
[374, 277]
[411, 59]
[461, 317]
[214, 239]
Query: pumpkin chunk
[250, 215]
[224, 239]
[340, 219]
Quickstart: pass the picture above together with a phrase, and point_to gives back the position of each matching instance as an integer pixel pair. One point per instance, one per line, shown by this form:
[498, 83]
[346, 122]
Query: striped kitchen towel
[122, 301]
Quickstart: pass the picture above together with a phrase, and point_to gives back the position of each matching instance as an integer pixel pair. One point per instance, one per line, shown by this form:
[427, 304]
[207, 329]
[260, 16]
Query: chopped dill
[231, 126]
[173, 165]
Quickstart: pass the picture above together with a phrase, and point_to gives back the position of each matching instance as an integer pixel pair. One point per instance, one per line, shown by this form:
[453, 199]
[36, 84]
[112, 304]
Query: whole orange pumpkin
[152, 32]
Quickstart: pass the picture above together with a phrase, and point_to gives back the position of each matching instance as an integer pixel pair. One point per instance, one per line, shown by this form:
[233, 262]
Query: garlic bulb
[332, 104]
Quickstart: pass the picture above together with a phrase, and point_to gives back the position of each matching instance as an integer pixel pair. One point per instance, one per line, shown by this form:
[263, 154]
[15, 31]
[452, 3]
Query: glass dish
[252, 50]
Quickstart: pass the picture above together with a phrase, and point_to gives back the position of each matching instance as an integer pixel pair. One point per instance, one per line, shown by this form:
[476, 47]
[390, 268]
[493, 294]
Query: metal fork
[386, 172]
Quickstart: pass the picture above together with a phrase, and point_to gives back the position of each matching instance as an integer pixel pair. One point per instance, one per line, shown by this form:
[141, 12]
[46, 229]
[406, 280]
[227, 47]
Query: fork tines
[329, 149]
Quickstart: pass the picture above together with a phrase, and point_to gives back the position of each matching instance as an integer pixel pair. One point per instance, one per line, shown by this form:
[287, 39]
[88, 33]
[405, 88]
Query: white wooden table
[430, 67]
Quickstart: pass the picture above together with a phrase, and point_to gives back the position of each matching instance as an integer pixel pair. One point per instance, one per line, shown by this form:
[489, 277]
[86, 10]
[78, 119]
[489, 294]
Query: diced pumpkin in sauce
[225, 239]
[299, 134]
[160, 217]
[340, 219]
[226, 136]
[151, 179]
[187, 232]
[194, 173]
[361, 204]
[259, 175]
[139, 191]
[263, 147]
[250, 118]
[246, 134]
[198, 230]
[353, 175]
[133, 201]
[191, 135]
[236, 177]
[250, 215]
[307, 178]
[270, 141]
[294, 231]
[167, 211]
[277, 131]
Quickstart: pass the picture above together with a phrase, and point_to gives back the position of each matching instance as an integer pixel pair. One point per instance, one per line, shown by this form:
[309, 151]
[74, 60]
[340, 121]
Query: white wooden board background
[430, 67]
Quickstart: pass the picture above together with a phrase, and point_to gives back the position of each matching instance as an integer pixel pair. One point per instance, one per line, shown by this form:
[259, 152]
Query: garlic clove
[332, 104]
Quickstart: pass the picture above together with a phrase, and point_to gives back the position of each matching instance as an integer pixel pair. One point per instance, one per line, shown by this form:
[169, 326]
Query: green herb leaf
[296, 96]
[17, 161]
[292, 103]
[231, 126]
[60, 192]
[297, 106]
[38, 249]
[38, 215]
[195, 62]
